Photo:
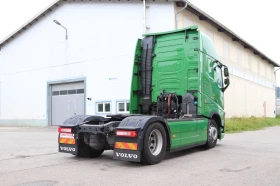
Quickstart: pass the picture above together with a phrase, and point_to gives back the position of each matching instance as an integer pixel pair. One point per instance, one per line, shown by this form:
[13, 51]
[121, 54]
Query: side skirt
[187, 147]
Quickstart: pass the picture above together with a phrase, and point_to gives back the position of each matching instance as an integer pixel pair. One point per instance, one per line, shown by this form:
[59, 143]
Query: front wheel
[212, 135]
[154, 144]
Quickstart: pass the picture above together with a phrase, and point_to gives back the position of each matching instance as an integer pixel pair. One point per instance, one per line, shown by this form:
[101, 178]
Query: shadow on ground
[107, 158]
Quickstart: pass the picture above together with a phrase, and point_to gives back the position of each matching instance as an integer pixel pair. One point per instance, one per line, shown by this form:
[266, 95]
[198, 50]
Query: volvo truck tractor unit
[176, 102]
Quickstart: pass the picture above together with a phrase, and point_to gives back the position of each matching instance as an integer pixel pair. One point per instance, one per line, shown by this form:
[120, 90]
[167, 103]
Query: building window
[123, 107]
[267, 69]
[239, 55]
[67, 92]
[80, 91]
[210, 34]
[272, 73]
[63, 92]
[55, 93]
[249, 62]
[73, 91]
[103, 107]
[226, 49]
[258, 66]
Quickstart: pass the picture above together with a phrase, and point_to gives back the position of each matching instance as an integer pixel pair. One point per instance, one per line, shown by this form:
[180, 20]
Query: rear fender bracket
[140, 124]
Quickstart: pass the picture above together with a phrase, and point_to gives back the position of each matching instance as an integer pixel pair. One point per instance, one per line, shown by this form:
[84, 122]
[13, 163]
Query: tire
[212, 135]
[86, 151]
[154, 144]
[95, 153]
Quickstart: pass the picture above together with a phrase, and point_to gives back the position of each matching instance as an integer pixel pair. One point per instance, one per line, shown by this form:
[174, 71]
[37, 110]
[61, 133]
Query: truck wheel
[83, 150]
[212, 135]
[86, 151]
[154, 146]
[95, 153]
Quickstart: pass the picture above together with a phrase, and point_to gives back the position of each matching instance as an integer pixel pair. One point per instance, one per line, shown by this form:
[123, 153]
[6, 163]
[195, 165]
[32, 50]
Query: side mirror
[226, 82]
[226, 72]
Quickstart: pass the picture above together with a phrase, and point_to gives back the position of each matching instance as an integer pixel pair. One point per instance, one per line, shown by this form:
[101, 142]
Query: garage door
[68, 99]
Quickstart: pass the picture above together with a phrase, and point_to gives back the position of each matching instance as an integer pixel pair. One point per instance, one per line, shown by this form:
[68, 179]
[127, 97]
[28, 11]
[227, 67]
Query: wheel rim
[155, 142]
[213, 133]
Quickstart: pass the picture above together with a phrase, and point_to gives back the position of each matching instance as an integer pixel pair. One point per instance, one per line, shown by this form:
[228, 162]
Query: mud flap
[127, 155]
[72, 149]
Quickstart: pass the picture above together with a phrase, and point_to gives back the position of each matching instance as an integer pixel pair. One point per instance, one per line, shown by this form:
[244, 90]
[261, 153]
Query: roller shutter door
[68, 99]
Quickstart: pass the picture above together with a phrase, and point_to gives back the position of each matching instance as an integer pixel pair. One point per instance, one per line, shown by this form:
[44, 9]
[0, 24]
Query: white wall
[102, 37]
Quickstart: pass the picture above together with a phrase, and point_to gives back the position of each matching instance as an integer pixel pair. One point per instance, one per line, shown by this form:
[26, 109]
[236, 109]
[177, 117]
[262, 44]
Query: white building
[44, 77]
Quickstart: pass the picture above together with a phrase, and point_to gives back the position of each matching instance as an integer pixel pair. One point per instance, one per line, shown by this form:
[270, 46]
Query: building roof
[202, 16]
[29, 23]
[221, 28]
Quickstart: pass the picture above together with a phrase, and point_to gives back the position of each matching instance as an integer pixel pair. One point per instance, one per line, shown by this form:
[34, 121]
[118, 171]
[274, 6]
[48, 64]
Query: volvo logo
[126, 155]
[69, 149]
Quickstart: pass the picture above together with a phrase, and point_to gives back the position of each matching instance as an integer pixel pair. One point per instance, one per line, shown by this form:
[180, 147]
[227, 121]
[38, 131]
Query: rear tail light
[65, 130]
[127, 133]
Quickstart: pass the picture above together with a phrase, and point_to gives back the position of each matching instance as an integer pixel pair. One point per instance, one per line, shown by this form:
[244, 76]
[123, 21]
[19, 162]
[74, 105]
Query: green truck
[176, 102]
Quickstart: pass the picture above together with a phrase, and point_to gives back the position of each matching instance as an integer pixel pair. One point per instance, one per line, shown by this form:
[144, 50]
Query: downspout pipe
[177, 13]
[276, 91]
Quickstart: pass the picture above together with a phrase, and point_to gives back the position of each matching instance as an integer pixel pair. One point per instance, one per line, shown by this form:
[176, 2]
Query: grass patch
[237, 124]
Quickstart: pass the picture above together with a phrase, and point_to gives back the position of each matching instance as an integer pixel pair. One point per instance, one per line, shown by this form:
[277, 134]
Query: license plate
[127, 155]
[67, 148]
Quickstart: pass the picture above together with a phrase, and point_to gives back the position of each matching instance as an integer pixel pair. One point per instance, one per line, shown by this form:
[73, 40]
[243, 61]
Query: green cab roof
[172, 31]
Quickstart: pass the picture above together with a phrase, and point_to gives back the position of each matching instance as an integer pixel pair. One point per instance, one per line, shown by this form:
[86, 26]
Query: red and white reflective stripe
[67, 135]
[69, 130]
[127, 133]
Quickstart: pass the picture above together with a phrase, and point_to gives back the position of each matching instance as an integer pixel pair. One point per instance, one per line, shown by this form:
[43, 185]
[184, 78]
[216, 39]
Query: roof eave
[202, 16]
[221, 28]
[30, 22]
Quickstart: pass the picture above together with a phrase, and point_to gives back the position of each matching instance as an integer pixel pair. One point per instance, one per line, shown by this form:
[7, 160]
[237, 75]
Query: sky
[256, 21]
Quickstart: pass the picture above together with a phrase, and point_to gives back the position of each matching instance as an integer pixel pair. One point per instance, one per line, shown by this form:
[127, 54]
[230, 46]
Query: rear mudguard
[82, 119]
[92, 125]
[141, 123]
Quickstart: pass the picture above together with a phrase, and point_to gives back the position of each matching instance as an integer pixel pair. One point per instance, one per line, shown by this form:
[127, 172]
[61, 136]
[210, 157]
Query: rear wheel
[86, 151]
[212, 135]
[94, 153]
[154, 146]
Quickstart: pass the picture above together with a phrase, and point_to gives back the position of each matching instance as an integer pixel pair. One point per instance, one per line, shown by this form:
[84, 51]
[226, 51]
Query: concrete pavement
[28, 156]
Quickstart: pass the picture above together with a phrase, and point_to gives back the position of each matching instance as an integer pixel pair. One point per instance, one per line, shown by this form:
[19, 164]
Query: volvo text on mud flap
[127, 155]
[67, 148]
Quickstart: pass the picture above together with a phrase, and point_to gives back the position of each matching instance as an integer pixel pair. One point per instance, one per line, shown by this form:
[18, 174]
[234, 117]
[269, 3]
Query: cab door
[217, 85]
